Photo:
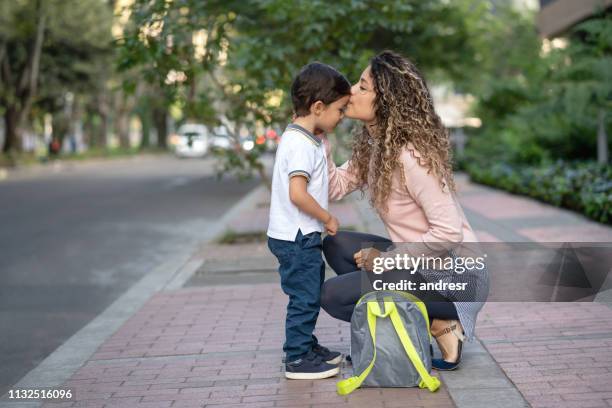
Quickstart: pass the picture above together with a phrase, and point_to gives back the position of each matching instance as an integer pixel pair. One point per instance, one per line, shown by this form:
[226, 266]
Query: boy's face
[328, 116]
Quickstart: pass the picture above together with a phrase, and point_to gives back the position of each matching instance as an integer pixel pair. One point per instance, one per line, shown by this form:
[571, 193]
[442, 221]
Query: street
[73, 241]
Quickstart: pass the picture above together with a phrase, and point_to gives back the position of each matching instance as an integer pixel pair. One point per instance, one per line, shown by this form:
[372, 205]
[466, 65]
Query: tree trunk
[602, 138]
[11, 134]
[60, 126]
[145, 119]
[89, 130]
[103, 109]
[103, 129]
[161, 125]
[76, 125]
[123, 128]
[257, 164]
[24, 89]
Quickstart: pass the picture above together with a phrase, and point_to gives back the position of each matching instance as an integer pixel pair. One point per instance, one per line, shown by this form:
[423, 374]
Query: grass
[112, 153]
[231, 237]
[27, 159]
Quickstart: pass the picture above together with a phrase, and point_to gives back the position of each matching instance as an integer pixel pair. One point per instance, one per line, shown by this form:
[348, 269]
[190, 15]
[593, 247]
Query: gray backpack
[390, 343]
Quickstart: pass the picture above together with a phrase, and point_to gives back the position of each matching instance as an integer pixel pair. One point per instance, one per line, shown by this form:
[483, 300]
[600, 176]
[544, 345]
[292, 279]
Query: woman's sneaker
[310, 367]
[330, 357]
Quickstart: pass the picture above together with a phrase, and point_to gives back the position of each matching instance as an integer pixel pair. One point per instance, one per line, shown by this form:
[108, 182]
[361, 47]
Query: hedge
[585, 187]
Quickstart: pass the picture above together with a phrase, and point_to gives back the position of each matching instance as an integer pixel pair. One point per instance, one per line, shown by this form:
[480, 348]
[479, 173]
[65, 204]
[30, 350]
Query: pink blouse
[419, 211]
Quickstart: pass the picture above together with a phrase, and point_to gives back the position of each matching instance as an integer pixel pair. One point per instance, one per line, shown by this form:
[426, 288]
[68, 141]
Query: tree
[584, 80]
[20, 53]
[45, 53]
[537, 102]
[233, 61]
[506, 49]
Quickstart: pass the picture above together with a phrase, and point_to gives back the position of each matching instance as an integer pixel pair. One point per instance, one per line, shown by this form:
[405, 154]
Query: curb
[481, 383]
[62, 363]
[186, 271]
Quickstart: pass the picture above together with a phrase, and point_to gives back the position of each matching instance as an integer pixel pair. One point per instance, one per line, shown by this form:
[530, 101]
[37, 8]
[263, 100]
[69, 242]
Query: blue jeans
[302, 272]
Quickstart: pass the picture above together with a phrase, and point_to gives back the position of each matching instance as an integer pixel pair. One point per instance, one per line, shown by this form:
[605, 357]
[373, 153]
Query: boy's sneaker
[330, 357]
[310, 367]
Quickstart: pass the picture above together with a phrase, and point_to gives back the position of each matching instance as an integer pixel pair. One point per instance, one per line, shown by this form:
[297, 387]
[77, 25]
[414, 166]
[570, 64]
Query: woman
[401, 157]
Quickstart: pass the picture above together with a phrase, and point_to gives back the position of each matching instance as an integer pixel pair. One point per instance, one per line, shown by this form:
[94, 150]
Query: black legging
[340, 293]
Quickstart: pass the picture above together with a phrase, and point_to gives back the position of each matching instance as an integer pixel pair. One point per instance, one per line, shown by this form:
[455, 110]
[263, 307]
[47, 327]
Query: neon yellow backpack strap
[432, 383]
[350, 384]
[421, 306]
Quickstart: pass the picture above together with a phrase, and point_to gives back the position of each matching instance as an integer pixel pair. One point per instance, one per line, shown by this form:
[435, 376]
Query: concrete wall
[556, 16]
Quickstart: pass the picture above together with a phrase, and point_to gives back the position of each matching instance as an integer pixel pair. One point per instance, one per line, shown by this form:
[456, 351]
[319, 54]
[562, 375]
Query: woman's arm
[342, 180]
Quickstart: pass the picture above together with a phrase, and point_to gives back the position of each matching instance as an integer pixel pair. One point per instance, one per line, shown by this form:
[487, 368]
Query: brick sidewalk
[557, 354]
[221, 345]
[218, 347]
[497, 216]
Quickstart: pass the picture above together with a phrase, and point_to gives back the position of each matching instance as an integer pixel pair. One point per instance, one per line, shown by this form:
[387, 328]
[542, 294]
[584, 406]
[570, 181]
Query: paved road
[73, 241]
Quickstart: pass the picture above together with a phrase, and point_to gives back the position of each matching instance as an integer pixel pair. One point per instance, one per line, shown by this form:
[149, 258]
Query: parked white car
[220, 139]
[191, 140]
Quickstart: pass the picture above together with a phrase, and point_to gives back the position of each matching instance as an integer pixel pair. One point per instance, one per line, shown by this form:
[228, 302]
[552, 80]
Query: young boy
[298, 214]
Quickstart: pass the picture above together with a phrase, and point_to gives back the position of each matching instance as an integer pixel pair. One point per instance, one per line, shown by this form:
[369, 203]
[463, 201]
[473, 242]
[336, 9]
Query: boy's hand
[331, 226]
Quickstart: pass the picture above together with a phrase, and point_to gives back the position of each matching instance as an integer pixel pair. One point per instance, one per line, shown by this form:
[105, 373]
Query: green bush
[585, 187]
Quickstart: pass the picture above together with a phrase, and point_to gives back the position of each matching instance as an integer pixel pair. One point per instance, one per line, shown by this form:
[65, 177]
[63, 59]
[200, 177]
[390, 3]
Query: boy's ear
[317, 107]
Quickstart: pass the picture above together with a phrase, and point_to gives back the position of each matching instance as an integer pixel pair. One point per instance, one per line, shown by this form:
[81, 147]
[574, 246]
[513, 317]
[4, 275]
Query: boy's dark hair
[317, 82]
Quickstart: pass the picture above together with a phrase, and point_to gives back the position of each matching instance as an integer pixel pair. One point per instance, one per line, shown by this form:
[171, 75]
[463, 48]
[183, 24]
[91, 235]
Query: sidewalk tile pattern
[557, 354]
[219, 347]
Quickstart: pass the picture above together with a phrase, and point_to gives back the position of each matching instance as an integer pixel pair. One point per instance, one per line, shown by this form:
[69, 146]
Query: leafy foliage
[585, 187]
[549, 107]
[235, 60]
[74, 56]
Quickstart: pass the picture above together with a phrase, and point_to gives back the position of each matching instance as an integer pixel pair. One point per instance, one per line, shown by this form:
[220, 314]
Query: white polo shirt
[299, 153]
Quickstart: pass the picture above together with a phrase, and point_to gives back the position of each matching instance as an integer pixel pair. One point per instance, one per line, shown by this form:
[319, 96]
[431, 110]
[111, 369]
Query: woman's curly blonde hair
[404, 112]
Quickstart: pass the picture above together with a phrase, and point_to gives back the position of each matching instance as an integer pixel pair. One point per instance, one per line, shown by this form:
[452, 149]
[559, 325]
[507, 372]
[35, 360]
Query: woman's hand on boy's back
[323, 136]
[332, 225]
